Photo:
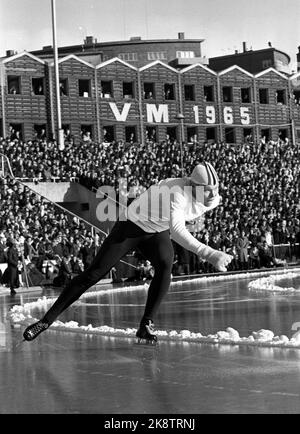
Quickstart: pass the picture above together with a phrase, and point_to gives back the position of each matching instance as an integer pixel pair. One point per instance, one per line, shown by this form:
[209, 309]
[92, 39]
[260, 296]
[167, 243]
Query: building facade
[115, 100]
[137, 52]
[253, 61]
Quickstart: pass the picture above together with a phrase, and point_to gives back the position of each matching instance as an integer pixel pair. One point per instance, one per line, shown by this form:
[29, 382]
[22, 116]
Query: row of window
[156, 55]
[151, 133]
[172, 133]
[149, 90]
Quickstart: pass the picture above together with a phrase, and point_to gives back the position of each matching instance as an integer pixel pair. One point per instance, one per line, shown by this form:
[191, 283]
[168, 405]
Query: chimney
[181, 35]
[270, 44]
[135, 38]
[244, 47]
[10, 53]
[236, 52]
[89, 40]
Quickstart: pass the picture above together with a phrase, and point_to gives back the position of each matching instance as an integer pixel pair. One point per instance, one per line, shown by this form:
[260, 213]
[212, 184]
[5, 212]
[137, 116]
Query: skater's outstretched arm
[182, 236]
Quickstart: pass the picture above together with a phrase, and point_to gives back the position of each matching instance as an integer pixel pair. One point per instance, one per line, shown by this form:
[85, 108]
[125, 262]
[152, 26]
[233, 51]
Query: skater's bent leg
[115, 246]
[159, 250]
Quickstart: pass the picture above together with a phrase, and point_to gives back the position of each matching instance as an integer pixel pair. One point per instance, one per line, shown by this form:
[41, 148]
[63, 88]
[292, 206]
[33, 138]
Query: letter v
[120, 116]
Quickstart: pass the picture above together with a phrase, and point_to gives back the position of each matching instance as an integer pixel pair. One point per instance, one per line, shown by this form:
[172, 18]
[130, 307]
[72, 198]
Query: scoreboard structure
[117, 101]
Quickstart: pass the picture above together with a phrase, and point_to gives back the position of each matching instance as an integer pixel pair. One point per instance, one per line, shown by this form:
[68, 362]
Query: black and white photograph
[149, 210]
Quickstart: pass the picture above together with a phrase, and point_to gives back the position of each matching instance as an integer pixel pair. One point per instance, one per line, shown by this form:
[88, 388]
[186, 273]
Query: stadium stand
[258, 220]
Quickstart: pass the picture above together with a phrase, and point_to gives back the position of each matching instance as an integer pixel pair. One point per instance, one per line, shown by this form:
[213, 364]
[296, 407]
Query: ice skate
[34, 330]
[145, 333]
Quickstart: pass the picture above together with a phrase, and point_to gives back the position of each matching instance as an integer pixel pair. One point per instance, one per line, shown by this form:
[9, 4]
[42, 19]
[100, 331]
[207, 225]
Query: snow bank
[269, 283]
[21, 315]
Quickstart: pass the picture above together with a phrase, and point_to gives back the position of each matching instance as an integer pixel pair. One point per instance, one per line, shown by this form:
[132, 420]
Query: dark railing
[289, 252]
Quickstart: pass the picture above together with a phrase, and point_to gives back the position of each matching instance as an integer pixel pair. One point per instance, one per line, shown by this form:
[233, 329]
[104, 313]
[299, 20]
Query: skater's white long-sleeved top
[169, 205]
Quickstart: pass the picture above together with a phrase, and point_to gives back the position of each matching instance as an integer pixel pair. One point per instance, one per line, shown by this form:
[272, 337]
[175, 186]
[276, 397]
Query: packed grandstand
[258, 221]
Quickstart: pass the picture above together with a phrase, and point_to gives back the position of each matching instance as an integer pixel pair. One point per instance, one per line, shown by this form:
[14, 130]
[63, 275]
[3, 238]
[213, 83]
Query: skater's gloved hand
[219, 260]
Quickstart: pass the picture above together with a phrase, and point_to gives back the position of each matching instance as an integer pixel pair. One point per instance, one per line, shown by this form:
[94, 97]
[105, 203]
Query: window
[189, 92]
[63, 86]
[67, 131]
[296, 96]
[14, 84]
[16, 131]
[248, 134]
[267, 63]
[208, 93]
[210, 133]
[37, 86]
[171, 134]
[130, 134]
[185, 54]
[246, 95]
[280, 96]
[40, 131]
[264, 96]
[149, 92]
[227, 94]
[283, 134]
[192, 135]
[128, 90]
[265, 134]
[108, 133]
[229, 135]
[86, 132]
[151, 133]
[162, 55]
[169, 91]
[106, 89]
[128, 57]
[84, 88]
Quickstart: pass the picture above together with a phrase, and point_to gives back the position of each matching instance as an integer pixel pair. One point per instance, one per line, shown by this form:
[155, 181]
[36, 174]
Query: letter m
[159, 114]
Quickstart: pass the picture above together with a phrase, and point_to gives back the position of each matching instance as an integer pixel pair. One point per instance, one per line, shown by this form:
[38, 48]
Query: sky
[223, 24]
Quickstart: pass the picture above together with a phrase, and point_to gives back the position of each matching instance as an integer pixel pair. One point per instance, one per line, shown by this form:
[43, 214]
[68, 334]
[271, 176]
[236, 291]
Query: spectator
[88, 253]
[3, 257]
[242, 246]
[12, 267]
[29, 250]
[265, 255]
[65, 272]
[77, 265]
[147, 270]
[254, 256]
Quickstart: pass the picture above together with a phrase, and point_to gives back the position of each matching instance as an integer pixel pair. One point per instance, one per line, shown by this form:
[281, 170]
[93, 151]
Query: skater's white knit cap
[204, 174]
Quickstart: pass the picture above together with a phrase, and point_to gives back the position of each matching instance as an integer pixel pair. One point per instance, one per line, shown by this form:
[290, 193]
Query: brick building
[253, 61]
[136, 51]
[116, 100]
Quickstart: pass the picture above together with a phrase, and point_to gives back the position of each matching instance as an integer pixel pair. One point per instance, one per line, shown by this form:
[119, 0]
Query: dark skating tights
[125, 235]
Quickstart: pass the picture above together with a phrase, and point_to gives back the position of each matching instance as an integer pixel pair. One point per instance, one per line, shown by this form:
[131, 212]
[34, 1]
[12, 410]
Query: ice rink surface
[67, 372]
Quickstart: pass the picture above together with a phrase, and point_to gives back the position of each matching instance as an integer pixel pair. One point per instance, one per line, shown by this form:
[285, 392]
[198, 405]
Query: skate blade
[19, 343]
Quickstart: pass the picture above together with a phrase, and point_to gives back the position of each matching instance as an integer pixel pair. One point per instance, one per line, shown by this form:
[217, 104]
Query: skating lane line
[218, 300]
[207, 386]
[142, 304]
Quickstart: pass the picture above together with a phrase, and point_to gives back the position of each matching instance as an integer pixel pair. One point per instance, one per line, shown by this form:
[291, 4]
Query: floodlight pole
[59, 136]
[180, 117]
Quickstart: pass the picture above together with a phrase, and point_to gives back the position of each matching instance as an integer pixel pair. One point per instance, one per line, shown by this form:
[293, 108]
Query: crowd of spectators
[49, 241]
[259, 185]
